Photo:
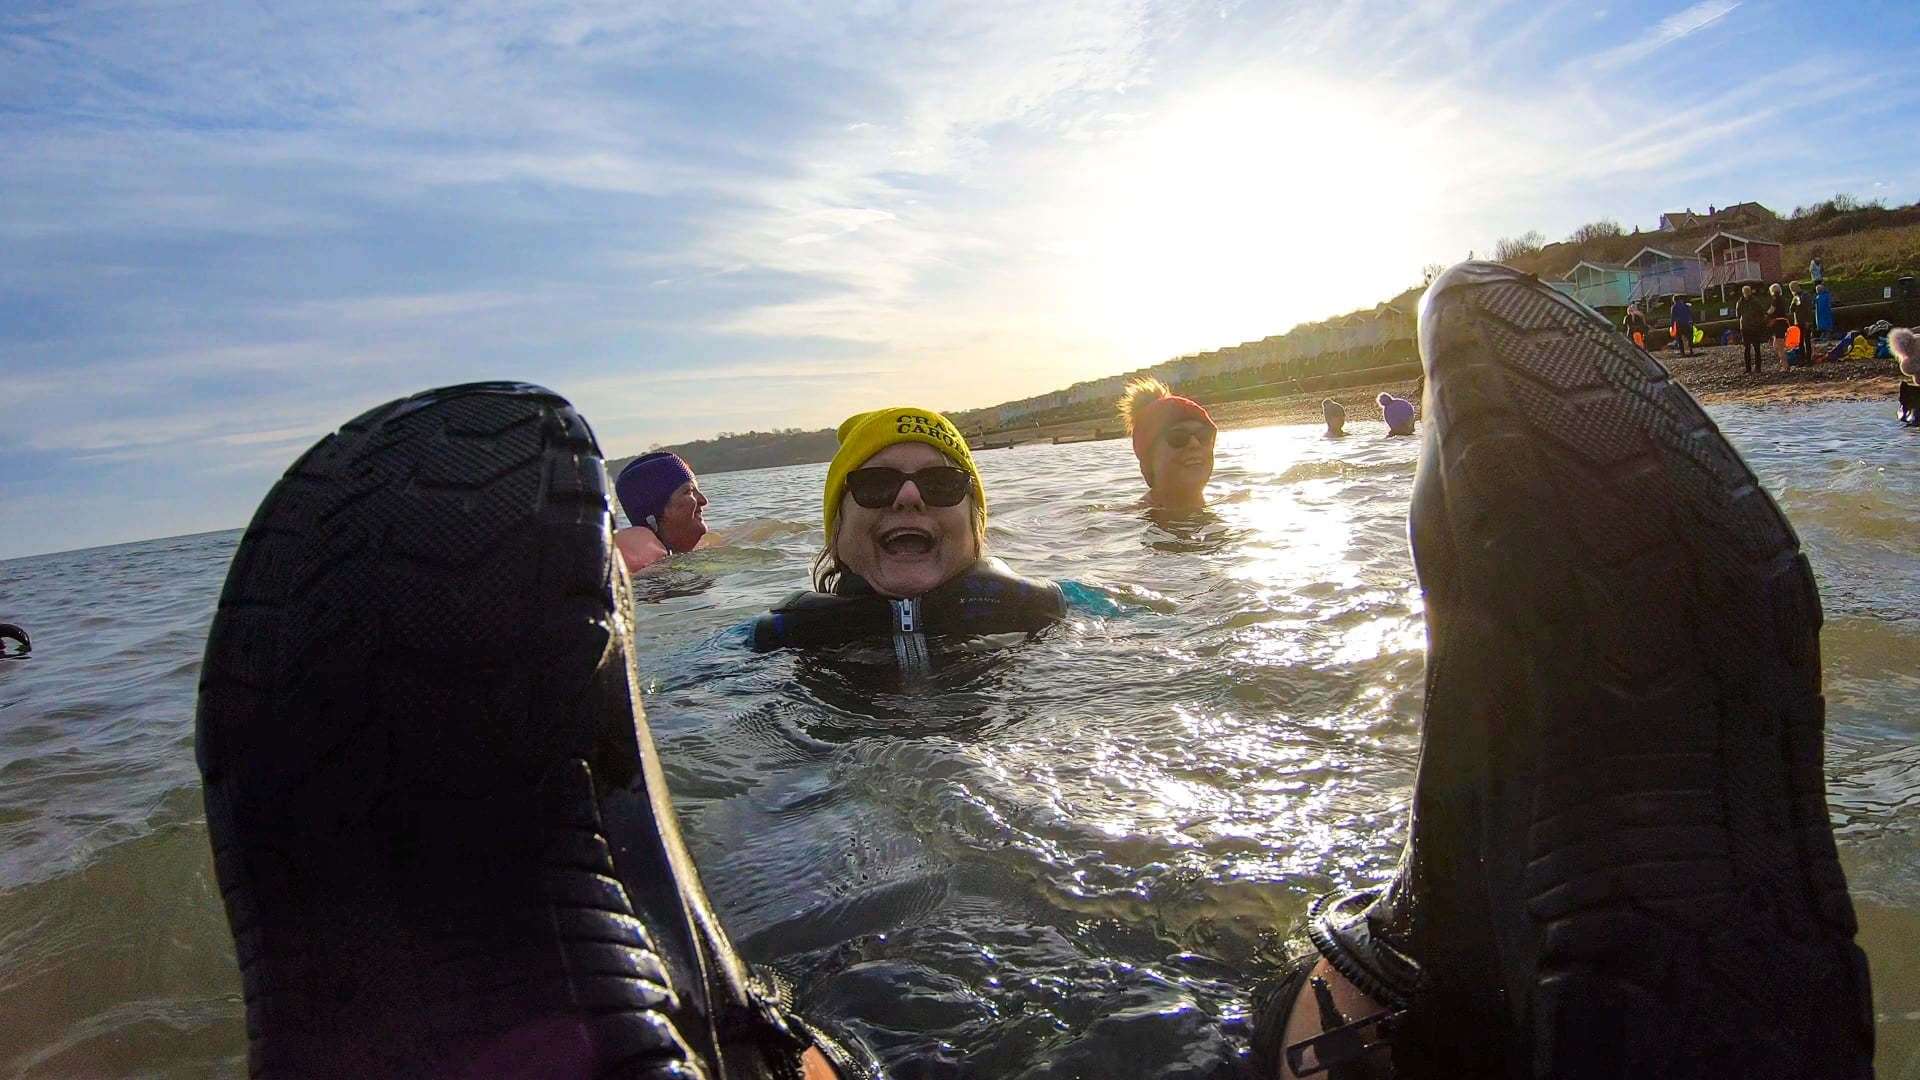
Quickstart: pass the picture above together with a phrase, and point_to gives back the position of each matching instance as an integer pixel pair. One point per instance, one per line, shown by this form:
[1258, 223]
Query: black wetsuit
[988, 598]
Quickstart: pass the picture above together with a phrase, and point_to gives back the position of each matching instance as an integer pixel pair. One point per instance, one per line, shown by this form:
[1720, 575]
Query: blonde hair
[1905, 345]
[1139, 394]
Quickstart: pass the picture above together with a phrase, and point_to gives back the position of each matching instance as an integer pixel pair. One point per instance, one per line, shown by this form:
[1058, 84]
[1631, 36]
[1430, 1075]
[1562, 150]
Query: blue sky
[226, 228]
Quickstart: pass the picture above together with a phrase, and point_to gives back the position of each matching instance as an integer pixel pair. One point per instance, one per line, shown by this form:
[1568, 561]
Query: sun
[1240, 212]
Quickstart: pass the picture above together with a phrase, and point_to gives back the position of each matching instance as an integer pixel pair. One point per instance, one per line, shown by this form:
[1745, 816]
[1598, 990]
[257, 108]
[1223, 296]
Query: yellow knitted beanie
[866, 434]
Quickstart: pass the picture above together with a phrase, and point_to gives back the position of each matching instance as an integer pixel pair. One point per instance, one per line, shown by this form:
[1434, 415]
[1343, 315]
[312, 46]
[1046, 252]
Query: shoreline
[1712, 376]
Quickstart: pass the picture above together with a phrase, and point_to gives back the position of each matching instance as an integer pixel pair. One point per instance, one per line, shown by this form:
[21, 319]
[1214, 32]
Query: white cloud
[1684, 22]
[1678, 25]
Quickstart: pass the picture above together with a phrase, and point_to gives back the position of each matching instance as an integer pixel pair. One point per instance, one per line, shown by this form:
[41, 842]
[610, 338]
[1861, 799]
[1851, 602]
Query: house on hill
[1724, 217]
[1597, 284]
[1662, 273]
[1734, 260]
[1681, 220]
[1746, 213]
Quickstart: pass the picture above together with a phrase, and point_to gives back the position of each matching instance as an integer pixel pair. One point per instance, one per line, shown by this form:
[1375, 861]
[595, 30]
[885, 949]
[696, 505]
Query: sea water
[1066, 857]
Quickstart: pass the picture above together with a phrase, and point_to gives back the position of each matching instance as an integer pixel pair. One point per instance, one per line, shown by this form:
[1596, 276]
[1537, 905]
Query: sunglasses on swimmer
[940, 485]
[1178, 438]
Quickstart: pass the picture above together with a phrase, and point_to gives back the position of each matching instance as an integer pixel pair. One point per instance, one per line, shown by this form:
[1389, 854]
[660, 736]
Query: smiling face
[684, 520]
[907, 548]
[1180, 472]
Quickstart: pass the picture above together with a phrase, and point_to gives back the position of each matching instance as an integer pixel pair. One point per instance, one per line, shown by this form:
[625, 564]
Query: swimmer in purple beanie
[662, 498]
[1398, 412]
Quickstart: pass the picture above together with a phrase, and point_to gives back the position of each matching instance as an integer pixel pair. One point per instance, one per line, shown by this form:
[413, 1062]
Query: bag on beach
[1796, 357]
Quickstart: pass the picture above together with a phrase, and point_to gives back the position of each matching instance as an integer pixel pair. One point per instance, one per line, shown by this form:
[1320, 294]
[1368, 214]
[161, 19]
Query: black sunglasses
[1178, 438]
[940, 485]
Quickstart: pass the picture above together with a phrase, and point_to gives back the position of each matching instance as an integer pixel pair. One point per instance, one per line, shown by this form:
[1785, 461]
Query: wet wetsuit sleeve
[1091, 600]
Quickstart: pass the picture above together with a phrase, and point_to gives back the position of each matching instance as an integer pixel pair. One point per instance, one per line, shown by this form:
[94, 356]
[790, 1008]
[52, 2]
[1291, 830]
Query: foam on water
[1067, 857]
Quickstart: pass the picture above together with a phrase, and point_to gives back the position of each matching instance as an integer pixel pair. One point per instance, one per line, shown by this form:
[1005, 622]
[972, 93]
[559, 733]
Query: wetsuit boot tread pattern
[1656, 797]
[416, 677]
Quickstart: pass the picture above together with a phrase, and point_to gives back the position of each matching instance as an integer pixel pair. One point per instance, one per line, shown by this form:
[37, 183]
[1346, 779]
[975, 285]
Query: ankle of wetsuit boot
[1347, 1047]
[1341, 1047]
[1362, 934]
[1272, 1011]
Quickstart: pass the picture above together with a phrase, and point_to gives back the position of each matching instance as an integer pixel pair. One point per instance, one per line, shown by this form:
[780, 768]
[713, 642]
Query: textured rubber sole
[1623, 616]
[415, 688]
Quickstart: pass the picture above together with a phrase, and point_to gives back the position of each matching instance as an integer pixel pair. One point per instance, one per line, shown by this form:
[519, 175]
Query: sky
[226, 228]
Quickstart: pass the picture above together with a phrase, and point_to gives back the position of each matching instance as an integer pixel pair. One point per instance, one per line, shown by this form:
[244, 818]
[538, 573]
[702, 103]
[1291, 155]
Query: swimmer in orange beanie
[1173, 438]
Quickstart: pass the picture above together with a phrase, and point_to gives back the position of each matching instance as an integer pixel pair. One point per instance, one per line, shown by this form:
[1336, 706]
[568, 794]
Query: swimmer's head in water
[659, 491]
[1905, 345]
[1173, 440]
[684, 520]
[886, 525]
[1335, 413]
[1398, 413]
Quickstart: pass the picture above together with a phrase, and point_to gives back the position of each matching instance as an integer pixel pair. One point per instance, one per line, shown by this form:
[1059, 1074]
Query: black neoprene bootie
[1620, 862]
[439, 825]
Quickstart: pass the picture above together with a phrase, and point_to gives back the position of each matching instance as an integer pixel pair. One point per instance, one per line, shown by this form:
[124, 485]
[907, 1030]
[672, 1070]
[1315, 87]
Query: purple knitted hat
[646, 484]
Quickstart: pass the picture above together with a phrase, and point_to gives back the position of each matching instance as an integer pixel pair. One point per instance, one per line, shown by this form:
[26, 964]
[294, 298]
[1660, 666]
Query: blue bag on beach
[1796, 357]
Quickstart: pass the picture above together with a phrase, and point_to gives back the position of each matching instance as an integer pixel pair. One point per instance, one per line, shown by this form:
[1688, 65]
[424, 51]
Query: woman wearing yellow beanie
[906, 551]
[904, 507]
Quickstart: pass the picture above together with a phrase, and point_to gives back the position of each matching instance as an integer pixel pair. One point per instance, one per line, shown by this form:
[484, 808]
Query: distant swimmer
[10, 632]
[662, 499]
[1336, 415]
[1398, 413]
[1173, 438]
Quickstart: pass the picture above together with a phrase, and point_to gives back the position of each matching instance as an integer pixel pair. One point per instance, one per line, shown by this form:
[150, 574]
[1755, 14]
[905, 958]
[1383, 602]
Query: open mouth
[906, 541]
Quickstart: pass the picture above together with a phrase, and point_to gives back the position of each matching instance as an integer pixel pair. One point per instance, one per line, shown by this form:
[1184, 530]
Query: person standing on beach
[1777, 322]
[1173, 439]
[1800, 309]
[1683, 324]
[1635, 323]
[1822, 310]
[1753, 328]
[662, 498]
[1815, 271]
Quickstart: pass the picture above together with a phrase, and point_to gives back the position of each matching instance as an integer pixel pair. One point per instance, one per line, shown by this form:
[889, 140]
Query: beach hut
[1662, 273]
[1397, 324]
[1733, 261]
[1601, 285]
